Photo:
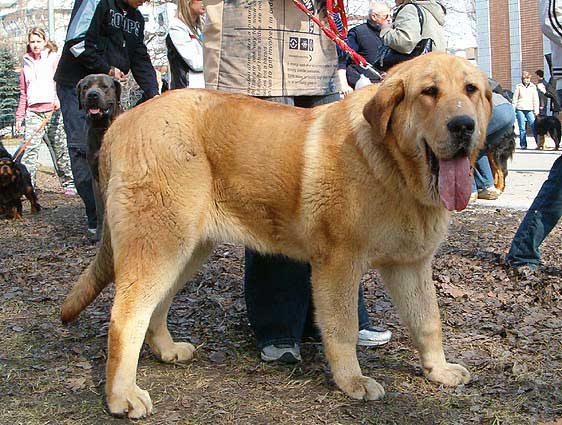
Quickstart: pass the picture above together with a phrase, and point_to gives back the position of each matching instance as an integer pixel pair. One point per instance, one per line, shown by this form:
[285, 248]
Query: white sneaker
[372, 337]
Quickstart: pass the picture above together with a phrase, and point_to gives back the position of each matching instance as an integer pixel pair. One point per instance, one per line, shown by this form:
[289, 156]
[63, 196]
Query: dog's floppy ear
[379, 109]
[79, 92]
[117, 85]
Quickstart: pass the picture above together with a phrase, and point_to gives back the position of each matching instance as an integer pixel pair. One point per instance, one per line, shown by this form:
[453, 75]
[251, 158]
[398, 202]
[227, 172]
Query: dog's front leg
[335, 286]
[413, 292]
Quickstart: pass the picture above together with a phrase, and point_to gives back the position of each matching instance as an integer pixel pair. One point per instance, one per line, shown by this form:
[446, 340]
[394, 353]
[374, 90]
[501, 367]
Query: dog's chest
[407, 238]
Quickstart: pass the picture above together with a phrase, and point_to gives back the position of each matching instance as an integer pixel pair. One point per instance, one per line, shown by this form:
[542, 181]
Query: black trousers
[76, 136]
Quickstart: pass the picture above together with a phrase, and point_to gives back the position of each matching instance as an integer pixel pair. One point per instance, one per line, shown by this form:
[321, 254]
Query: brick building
[509, 39]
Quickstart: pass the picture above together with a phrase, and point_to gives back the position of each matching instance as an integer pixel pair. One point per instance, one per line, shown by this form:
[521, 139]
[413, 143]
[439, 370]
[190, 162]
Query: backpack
[179, 69]
[388, 57]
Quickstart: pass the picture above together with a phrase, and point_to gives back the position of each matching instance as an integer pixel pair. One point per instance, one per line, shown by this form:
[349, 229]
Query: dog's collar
[6, 157]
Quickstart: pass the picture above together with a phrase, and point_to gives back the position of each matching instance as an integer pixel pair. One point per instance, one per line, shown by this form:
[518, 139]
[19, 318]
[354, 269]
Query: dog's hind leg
[335, 287]
[32, 197]
[413, 292]
[499, 178]
[17, 212]
[158, 336]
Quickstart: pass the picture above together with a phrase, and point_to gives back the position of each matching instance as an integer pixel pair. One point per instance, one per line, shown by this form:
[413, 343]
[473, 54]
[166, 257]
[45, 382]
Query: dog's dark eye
[471, 88]
[430, 91]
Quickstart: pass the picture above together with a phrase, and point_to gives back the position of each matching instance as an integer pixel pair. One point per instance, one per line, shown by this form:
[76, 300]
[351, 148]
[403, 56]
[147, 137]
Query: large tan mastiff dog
[364, 182]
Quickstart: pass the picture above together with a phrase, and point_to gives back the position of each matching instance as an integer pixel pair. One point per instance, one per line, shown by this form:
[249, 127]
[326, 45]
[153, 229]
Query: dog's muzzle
[461, 129]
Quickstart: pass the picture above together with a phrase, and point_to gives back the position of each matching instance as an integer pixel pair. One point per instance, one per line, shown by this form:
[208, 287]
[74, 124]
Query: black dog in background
[548, 125]
[99, 95]
[15, 182]
[499, 152]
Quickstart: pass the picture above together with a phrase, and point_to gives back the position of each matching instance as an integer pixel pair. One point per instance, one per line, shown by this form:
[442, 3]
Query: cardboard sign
[267, 48]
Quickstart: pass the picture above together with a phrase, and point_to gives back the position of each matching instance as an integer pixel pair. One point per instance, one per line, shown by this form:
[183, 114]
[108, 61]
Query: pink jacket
[38, 90]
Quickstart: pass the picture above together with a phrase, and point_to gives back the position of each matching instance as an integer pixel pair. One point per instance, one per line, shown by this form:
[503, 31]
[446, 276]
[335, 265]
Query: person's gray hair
[376, 6]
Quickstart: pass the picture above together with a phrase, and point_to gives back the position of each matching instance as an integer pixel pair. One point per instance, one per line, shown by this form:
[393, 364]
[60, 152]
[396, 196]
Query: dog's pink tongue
[94, 110]
[455, 183]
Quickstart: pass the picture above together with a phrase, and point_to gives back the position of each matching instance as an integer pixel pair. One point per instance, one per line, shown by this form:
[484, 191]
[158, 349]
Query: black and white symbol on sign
[306, 44]
[294, 43]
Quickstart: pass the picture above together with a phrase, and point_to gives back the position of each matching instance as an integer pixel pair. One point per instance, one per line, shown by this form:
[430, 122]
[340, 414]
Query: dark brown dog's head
[99, 95]
[8, 171]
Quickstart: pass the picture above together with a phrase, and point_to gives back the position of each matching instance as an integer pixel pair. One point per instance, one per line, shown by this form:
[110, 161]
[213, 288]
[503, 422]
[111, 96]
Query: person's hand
[19, 127]
[56, 105]
[117, 73]
[346, 89]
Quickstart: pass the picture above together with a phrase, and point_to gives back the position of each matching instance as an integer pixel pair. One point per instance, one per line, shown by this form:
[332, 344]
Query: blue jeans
[483, 177]
[522, 118]
[542, 216]
[503, 117]
[76, 133]
[277, 289]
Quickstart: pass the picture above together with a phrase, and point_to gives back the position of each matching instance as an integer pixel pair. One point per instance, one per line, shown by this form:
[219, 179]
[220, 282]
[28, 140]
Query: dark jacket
[364, 39]
[115, 37]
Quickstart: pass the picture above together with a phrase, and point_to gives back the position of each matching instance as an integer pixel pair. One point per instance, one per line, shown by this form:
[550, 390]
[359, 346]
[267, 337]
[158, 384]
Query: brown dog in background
[15, 182]
[99, 95]
[360, 183]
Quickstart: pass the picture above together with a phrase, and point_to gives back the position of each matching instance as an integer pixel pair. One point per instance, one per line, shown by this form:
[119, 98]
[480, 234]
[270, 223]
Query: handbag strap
[420, 14]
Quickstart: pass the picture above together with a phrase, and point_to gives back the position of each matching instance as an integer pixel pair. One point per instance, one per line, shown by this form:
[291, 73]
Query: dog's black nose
[462, 126]
[94, 95]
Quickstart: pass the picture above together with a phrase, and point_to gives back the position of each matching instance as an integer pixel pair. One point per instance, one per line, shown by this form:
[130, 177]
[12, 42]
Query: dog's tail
[97, 276]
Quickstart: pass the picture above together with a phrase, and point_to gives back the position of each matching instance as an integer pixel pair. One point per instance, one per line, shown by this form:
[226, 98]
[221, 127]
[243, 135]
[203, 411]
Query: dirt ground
[505, 328]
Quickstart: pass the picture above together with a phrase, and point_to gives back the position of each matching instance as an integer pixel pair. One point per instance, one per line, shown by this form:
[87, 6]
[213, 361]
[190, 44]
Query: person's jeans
[76, 136]
[277, 289]
[483, 176]
[542, 216]
[503, 117]
[522, 118]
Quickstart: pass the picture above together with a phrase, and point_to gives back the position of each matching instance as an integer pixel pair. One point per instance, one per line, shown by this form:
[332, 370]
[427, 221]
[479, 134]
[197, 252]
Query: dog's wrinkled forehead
[100, 81]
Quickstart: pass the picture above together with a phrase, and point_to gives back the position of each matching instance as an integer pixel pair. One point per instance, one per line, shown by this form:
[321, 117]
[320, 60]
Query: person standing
[184, 44]
[365, 39]
[111, 43]
[546, 209]
[526, 104]
[405, 31]
[277, 289]
[38, 102]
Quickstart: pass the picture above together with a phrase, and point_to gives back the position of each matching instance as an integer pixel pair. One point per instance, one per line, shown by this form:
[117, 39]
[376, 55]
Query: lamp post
[51, 8]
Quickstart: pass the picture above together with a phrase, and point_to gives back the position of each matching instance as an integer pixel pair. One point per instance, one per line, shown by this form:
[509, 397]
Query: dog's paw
[449, 374]
[362, 388]
[176, 353]
[133, 402]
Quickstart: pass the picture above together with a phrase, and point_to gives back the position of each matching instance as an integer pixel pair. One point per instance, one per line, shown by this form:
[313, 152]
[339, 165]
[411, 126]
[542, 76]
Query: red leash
[335, 35]
[338, 8]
